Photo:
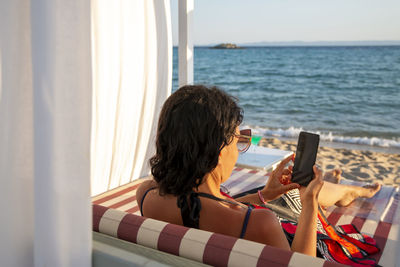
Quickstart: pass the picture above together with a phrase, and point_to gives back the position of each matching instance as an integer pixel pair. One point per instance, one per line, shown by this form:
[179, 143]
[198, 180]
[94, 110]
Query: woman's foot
[370, 190]
[353, 192]
[333, 176]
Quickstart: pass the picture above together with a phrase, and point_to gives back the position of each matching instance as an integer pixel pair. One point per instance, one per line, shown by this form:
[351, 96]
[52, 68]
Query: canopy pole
[185, 48]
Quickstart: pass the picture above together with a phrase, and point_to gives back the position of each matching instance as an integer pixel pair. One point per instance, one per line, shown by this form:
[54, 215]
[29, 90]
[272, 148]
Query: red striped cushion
[209, 248]
[378, 217]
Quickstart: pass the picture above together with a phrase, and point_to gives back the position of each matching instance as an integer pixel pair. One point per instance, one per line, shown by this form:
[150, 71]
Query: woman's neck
[211, 184]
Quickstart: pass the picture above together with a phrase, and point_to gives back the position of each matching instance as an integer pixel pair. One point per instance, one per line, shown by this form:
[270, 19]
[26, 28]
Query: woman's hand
[279, 181]
[305, 239]
[310, 195]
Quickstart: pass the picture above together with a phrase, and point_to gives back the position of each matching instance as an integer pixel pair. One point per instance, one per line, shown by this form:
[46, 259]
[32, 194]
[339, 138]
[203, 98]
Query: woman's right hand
[305, 239]
[310, 195]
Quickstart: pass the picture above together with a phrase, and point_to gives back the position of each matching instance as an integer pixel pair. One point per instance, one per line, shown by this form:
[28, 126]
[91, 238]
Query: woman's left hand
[279, 181]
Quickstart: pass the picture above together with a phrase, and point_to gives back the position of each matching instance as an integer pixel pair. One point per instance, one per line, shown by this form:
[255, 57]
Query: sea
[348, 95]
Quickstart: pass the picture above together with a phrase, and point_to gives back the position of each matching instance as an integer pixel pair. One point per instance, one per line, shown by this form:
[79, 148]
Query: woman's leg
[342, 195]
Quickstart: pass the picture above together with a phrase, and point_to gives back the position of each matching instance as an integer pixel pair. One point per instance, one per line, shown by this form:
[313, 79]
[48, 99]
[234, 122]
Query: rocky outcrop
[226, 46]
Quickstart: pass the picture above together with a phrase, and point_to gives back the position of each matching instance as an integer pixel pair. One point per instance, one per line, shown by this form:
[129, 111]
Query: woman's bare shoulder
[264, 227]
[214, 217]
[143, 187]
[261, 226]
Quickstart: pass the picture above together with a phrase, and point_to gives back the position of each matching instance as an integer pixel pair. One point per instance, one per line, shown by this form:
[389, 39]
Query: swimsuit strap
[201, 194]
[141, 203]
[245, 222]
[191, 212]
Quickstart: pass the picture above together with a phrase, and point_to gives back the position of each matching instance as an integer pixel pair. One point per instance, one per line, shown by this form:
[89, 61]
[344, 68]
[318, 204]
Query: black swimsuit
[191, 212]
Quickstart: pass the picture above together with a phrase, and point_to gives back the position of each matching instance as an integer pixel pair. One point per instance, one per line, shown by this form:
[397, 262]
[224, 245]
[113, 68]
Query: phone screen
[306, 154]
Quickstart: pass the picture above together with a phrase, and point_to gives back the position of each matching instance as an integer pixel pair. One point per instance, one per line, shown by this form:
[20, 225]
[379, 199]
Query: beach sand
[358, 165]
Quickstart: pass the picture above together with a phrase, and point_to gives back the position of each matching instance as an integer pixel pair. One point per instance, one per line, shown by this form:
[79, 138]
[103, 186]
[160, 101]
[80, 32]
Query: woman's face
[228, 157]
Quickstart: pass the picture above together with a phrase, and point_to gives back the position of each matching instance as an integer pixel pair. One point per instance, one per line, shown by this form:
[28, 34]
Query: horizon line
[298, 42]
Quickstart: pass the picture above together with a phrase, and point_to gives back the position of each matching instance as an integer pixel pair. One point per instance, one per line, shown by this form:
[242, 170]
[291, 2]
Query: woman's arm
[278, 184]
[250, 198]
[267, 194]
[265, 228]
[305, 239]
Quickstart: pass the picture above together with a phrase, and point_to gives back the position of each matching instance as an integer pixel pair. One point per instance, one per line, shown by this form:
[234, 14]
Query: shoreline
[341, 145]
[363, 164]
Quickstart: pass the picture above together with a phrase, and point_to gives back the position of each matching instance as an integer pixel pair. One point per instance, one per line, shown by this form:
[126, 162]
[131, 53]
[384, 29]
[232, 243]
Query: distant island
[226, 46]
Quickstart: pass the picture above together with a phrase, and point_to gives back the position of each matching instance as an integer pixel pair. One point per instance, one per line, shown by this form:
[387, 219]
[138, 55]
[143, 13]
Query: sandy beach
[358, 165]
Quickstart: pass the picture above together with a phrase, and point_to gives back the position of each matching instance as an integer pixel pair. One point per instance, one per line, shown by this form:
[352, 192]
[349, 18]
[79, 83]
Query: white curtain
[132, 75]
[46, 98]
[16, 136]
[45, 119]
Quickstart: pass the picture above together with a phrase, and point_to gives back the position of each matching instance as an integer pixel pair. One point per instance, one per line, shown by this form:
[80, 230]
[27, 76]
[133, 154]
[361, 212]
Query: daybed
[116, 220]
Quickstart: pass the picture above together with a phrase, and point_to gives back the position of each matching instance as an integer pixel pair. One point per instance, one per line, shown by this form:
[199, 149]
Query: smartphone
[306, 154]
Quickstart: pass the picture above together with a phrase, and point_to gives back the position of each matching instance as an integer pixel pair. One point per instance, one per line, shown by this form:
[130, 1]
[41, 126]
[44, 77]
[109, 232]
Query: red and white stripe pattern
[242, 180]
[122, 198]
[378, 217]
[209, 248]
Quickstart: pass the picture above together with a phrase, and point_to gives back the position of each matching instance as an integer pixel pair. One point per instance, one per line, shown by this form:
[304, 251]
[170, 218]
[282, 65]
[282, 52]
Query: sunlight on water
[348, 94]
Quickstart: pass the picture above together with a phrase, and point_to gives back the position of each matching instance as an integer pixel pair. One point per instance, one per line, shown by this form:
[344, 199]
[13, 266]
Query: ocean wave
[293, 132]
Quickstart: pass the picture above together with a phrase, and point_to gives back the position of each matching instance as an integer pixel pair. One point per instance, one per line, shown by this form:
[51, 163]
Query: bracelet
[261, 197]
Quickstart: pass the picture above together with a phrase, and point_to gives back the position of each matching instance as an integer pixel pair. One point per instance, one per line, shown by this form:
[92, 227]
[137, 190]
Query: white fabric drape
[45, 118]
[16, 136]
[132, 74]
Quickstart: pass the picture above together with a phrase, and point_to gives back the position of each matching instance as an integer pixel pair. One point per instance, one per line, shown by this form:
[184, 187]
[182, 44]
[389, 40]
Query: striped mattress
[114, 210]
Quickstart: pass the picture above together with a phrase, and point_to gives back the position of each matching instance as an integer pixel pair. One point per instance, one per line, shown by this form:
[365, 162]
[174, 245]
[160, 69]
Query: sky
[246, 21]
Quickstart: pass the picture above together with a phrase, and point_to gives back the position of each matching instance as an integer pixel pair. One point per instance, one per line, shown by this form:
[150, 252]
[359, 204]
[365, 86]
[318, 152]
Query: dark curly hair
[195, 123]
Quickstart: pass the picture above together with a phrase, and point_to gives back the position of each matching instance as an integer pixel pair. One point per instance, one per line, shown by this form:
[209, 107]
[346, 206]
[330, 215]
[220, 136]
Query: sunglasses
[244, 141]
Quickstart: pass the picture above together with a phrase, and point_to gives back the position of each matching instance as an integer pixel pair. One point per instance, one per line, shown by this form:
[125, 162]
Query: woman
[196, 151]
